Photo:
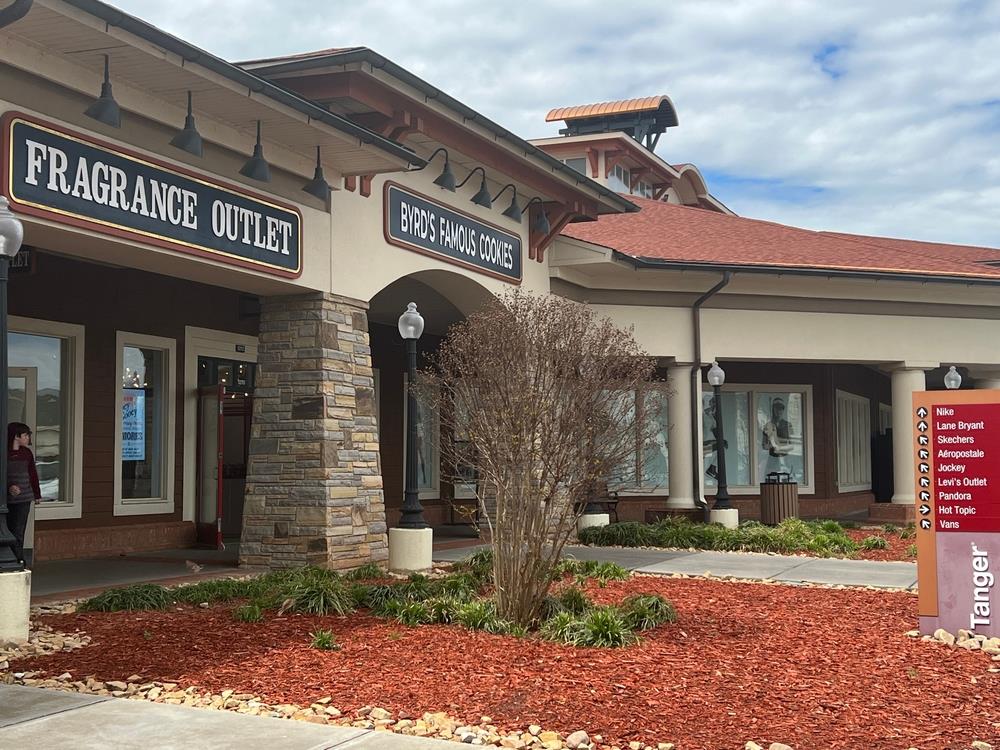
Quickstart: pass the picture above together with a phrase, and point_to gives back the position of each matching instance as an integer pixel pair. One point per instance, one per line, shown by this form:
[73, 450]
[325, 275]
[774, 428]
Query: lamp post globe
[717, 377]
[11, 237]
[411, 326]
[952, 379]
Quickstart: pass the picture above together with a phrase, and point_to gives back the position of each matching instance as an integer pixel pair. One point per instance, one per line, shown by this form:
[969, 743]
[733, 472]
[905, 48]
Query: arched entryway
[443, 299]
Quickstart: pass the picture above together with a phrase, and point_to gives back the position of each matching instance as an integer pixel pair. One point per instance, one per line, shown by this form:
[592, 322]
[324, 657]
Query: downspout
[14, 12]
[696, 380]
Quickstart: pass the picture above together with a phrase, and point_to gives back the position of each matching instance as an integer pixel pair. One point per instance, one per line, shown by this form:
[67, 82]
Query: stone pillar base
[410, 550]
[15, 602]
[728, 517]
[592, 519]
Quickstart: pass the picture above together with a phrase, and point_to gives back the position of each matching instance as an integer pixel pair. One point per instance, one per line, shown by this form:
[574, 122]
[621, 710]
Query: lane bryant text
[441, 230]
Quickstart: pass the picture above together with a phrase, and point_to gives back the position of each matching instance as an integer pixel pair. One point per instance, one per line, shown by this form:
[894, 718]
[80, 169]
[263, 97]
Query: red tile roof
[681, 234]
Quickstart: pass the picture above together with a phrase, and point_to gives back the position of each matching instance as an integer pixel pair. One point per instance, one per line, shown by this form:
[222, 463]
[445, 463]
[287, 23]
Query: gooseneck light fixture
[952, 379]
[11, 235]
[189, 139]
[482, 196]
[541, 222]
[716, 377]
[256, 167]
[445, 180]
[411, 325]
[318, 186]
[514, 210]
[106, 109]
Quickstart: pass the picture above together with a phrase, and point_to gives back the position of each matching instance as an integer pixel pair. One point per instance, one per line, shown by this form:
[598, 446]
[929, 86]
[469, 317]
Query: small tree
[536, 387]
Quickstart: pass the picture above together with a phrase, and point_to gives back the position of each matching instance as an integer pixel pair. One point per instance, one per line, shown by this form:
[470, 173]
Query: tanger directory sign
[418, 223]
[73, 178]
[957, 462]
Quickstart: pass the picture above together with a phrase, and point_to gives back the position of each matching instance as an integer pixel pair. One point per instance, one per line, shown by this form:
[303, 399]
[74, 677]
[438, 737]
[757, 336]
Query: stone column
[905, 380]
[314, 481]
[680, 440]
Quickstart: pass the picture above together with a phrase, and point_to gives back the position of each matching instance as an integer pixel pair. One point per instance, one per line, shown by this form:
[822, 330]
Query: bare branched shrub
[533, 387]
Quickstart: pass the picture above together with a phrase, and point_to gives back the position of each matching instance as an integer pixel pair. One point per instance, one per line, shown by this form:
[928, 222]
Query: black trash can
[779, 498]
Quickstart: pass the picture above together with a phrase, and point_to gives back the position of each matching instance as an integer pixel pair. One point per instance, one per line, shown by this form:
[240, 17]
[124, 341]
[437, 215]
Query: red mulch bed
[897, 549]
[819, 669]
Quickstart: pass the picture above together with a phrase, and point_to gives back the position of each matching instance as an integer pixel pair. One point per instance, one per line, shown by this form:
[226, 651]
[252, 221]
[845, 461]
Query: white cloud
[902, 142]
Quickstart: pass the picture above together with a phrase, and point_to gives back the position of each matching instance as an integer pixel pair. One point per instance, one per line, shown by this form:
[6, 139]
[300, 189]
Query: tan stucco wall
[364, 263]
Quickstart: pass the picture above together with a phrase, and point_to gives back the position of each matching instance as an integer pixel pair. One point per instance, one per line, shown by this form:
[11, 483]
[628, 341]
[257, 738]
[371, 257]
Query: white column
[905, 380]
[680, 441]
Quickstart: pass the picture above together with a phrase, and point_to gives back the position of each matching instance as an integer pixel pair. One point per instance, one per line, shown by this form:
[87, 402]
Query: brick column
[314, 480]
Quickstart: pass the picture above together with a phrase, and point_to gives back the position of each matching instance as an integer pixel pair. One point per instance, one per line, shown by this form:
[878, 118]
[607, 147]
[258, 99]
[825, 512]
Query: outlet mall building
[204, 353]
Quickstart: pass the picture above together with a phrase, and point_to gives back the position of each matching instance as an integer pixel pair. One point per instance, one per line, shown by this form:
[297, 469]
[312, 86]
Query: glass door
[211, 445]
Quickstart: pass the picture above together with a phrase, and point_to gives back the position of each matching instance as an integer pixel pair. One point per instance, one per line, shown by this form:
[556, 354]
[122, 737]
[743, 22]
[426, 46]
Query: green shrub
[609, 571]
[366, 572]
[890, 528]
[140, 596]
[442, 609]
[479, 564]
[413, 613]
[573, 600]
[830, 527]
[874, 542]
[480, 615]
[250, 612]
[604, 627]
[459, 585]
[909, 531]
[218, 590]
[644, 611]
[324, 640]
[563, 627]
[315, 593]
[374, 597]
[911, 551]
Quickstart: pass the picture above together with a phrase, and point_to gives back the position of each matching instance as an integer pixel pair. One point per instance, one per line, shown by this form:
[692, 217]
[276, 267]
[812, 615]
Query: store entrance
[225, 410]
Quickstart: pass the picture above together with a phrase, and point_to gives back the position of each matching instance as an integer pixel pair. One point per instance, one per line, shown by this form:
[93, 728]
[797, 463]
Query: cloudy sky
[870, 116]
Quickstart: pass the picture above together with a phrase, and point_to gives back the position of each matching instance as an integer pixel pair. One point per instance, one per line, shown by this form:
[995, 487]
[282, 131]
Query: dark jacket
[21, 471]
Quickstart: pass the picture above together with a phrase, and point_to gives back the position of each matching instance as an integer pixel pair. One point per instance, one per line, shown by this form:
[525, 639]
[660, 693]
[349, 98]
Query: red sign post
[957, 465]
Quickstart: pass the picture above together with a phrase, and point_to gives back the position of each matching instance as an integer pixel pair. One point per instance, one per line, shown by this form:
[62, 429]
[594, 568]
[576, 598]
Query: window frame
[809, 453]
[166, 503]
[884, 418]
[76, 336]
[863, 406]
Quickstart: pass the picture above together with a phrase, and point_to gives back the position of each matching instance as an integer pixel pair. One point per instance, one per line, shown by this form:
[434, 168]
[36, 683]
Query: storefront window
[466, 476]
[145, 423]
[736, 433]
[649, 461]
[765, 431]
[142, 422]
[428, 457]
[39, 382]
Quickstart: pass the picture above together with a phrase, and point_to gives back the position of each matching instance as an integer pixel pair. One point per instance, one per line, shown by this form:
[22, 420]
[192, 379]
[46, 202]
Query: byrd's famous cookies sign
[957, 462]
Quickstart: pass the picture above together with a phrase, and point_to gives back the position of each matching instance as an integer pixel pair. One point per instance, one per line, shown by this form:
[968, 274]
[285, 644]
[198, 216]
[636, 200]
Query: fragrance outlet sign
[418, 223]
[957, 462]
[75, 179]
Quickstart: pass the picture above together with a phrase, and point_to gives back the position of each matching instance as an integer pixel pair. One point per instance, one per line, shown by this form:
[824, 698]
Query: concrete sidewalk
[787, 568]
[55, 720]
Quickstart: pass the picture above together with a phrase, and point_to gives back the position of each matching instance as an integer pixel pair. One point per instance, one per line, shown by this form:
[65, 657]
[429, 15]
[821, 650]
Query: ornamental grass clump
[604, 627]
[645, 611]
[140, 596]
[874, 542]
[324, 640]
[250, 612]
[315, 592]
[366, 572]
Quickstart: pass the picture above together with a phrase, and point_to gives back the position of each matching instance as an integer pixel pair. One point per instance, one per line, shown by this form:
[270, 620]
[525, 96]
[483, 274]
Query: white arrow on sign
[925, 509]
[925, 496]
[922, 426]
[925, 482]
[924, 454]
[925, 523]
[921, 412]
[923, 440]
[924, 468]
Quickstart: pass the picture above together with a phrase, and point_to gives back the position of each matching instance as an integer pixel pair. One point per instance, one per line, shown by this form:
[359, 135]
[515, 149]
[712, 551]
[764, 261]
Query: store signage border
[393, 192]
[192, 241]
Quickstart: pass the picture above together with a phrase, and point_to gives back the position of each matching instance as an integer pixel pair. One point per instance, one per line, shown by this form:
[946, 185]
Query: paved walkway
[791, 569]
[55, 720]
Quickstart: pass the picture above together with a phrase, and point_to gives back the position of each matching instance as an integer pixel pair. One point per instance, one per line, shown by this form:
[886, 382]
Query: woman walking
[22, 483]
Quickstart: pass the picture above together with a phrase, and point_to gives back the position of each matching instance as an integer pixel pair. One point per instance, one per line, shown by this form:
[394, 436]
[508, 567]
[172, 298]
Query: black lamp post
[11, 235]
[411, 325]
[716, 377]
